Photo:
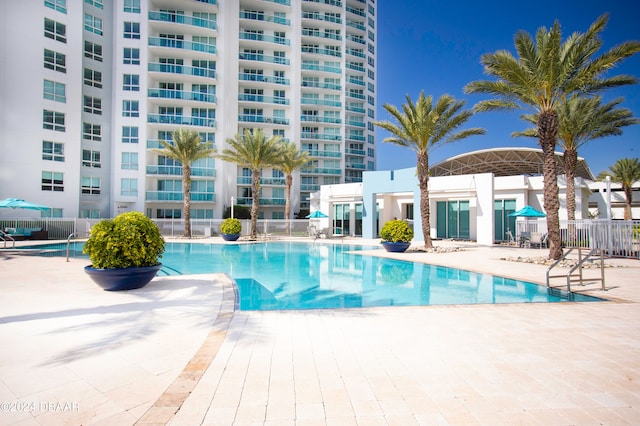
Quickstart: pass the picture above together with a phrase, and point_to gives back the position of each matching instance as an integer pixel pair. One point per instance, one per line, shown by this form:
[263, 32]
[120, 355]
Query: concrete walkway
[175, 353]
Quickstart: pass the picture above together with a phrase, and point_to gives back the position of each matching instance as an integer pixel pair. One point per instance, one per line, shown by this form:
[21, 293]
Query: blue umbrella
[17, 203]
[527, 211]
[315, 215]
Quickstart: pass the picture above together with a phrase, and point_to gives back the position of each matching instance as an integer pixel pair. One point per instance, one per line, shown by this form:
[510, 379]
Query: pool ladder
[578, 277]
[69, 243]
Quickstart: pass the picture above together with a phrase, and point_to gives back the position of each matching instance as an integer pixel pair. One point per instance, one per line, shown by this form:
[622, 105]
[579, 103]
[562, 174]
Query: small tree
[187, 147]
[626, 172]
[292, 159]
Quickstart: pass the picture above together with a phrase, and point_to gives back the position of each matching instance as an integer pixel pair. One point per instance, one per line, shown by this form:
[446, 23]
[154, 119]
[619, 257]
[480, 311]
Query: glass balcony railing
[357, 25]
[263, 78]
[355, 67]
[355, 151]
[180, 120]
[181, 44]
[261, 16]
[313, 101]
[358, 166]
[282, 2]
[337, 3]
[315, 67]
[177, 171]
[246, 180]
[359, 40]
[266, 38]
[179, 196]
[263, 58]
[321, 51]
[355, 123]
[248, 97]
[358, 12]
[321, 171]
[326, 137]
[264, 201]
[324, 154]
[356, 81]
[181, 19]
[309, 187]
[182, 69]
[352, 108]
[317, 84]
[180, 94]
[321, 17]
[255, 118]
[360, 138]
[321, 34]
[317, 119]
[356, 52]
[356, 95]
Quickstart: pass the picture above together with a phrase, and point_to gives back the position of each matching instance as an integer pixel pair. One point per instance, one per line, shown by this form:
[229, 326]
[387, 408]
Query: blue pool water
[295, 275]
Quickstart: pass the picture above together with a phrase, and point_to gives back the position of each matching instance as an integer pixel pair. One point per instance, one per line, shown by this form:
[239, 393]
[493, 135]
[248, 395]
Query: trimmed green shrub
[396, 231]
[231, 226]
[130, 239]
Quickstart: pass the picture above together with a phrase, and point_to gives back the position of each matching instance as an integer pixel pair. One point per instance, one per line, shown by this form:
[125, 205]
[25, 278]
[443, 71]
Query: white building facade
[88, 88]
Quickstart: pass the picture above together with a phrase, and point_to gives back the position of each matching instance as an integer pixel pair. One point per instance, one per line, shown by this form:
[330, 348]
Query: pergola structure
[504, 162]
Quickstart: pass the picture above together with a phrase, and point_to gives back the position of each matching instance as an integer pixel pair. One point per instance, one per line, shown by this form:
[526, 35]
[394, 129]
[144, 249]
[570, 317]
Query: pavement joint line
[169, 403]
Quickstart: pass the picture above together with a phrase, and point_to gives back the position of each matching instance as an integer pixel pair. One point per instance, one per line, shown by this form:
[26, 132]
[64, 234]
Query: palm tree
[292, 159]
[254, 151]
[421, 127]
[187, 147]
[625, 171]
[546, 73]
[581, 120]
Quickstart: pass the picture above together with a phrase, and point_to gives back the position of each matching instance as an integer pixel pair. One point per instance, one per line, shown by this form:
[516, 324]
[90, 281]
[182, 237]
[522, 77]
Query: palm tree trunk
[628, 195]
[255, 193]
[570, 163]
[186, 190]
[287, 204]
[425, 214]
[547, 131]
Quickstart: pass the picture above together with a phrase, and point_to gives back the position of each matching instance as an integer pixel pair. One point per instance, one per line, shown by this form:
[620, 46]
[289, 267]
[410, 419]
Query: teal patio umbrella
[316, 215]
[527, 211]
[17, 203]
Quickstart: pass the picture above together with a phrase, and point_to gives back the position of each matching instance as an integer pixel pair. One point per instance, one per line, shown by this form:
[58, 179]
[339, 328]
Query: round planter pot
[395, 247]
[230, 237]
[122, 278]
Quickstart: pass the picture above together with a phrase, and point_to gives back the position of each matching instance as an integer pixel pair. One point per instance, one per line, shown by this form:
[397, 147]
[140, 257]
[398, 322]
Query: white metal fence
[620, 238]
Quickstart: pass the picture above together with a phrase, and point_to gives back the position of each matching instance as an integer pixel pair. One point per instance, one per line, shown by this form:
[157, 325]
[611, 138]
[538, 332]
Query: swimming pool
[297, 275]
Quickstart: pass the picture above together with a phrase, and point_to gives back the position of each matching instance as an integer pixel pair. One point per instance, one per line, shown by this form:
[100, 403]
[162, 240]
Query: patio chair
[512, 239]
[536, 239]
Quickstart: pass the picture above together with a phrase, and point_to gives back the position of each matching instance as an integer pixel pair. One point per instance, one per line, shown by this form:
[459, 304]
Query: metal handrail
[4, 236]
[578, 266]
[69, 243]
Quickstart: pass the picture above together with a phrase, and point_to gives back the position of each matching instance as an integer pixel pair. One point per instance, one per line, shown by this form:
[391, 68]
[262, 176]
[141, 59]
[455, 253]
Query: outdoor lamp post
[232, 201]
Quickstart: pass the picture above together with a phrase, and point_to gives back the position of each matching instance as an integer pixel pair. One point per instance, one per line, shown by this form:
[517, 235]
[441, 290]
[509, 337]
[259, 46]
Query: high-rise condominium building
[89, 87]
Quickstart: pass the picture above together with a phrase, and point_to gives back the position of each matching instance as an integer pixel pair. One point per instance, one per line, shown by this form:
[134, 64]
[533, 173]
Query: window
[130, 109]
[90, 214]
[52, 181]
[132, 6]
[52, 120]
[132, 30]
[128, 186]
[55, 30]
[92, 105]
[55, 61]
[91, 158]
[168, 213]
[59, 5]
[52, 151]
[93, 78]
[91, 185]
[93, 51]
[129, 161]
[129, 134]
[131, 82]
[91, 132]
[131, 56]
[92, 24]
[97, 3]
[54, 91]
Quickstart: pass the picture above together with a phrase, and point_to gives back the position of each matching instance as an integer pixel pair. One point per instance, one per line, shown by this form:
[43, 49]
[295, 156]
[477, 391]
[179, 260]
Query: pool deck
[176, 352]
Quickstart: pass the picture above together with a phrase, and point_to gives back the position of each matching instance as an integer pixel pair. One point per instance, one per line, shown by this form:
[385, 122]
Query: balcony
[263, 58]
[180, 94]
[181, 19]
[359, 138]
[356, 67]
[355, 81]
[309, 187]
[315, 101]
[321, 34]
[255, 118]
[266, 38]
[177, 171]
[179, 196]
[357, 166]
[182, 69]
[315, 67]
[318, 85]
[181, 44]
[337, 3]
[321, 17]
[356, 52]
[264, 201]
[261, 16]
[356, 39]
[356, 123]
[355, 151]
[318, 136]
[354, 108]
[356, 95]
[321, 51]
[248, 97]
[246, 180]
[321, 171]
[180, 120]
[357, 25]
[318, 119]
[359, 12]
[323, 154]
[263, 78]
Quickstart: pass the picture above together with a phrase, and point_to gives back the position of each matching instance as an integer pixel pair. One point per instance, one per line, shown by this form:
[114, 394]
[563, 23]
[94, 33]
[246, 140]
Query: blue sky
[436, 46]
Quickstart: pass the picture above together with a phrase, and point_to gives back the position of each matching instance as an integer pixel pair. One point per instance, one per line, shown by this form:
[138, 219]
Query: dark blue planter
[122, 278]
[395, 247]
[230, 237]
